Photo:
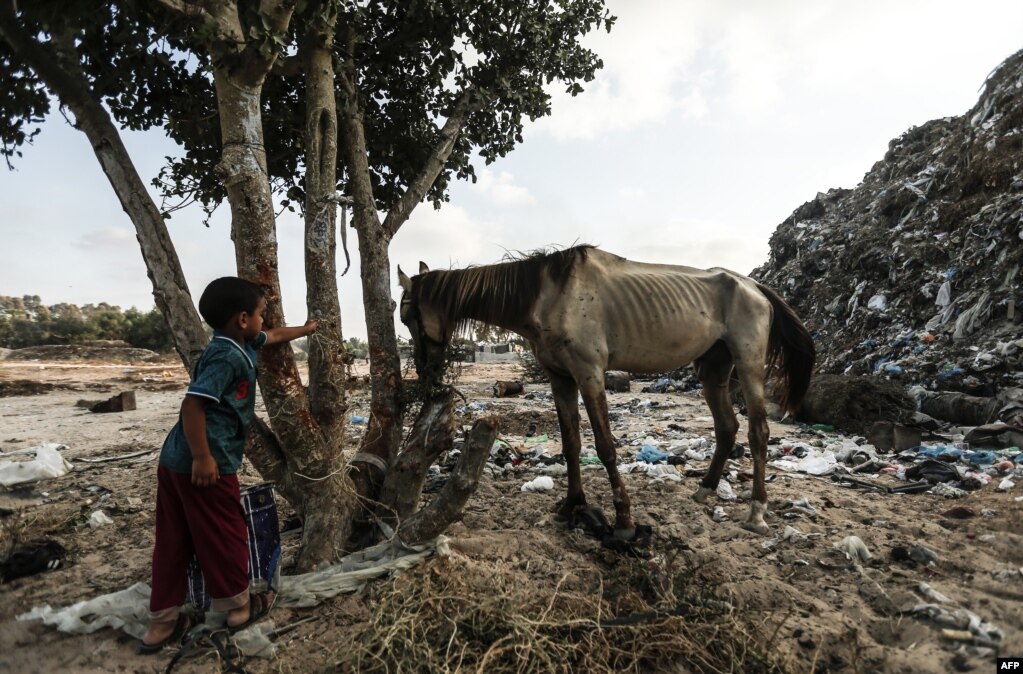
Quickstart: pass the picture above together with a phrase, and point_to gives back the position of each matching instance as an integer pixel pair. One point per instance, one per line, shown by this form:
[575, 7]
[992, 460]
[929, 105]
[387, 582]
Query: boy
[198, 507]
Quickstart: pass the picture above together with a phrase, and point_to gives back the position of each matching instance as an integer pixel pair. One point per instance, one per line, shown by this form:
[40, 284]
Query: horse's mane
[495, 293]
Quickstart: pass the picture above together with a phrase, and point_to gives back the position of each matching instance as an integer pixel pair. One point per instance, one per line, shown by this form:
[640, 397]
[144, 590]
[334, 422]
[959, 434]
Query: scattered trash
[802, 506]
[855, 548]
[99, 518]
[504, 389]
[835, 560]
[41, 554]
[948, 491]
[724, 491]
[957, 618]
[356, 419]
[814, 462]
[719, 514]
[932, 471]
[929, 593]
[650, 454]
[48, 463]
[542, 483]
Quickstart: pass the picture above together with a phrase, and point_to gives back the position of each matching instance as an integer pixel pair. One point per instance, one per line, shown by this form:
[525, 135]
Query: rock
[122, 402]
[854, 404]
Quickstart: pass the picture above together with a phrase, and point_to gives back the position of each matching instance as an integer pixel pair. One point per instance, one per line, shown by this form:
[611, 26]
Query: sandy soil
[833, 619]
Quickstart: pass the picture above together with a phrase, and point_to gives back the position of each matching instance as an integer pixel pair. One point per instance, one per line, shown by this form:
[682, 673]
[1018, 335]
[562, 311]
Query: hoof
[564, 509]
[756, 527]
[702, 495]
[755, 521]
[625, 534]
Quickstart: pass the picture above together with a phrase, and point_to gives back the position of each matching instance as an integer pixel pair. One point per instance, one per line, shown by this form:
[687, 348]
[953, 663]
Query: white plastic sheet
[98, 518]
[128, 610]
[814, 463]
[48, 463]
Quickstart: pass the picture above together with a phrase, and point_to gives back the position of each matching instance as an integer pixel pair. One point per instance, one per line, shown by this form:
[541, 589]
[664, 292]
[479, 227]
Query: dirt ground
[817, 615]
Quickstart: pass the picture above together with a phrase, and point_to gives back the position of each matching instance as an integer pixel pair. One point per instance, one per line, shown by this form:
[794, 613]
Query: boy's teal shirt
[225, 377]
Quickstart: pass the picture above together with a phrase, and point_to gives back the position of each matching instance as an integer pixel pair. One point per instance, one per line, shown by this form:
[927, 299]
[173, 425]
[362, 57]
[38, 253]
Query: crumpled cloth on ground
[128, 609]
[933, 471]
[658, 472]
[813, 463]
[650, 454]
[47, 464]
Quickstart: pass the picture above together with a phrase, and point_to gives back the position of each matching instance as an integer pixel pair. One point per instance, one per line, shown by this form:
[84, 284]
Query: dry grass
[455, 615]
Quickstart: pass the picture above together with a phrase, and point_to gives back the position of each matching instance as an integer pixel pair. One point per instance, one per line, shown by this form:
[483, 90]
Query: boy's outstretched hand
[279, 335]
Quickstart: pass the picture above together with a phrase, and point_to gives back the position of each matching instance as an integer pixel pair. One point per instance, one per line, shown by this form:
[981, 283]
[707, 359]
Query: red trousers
[207, 522]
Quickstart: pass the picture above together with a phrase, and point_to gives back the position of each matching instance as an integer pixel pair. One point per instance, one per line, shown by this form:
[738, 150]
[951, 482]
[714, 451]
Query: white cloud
[648, 54]
[631, 193]
[690, 242]
[110, 238]
[500, 188]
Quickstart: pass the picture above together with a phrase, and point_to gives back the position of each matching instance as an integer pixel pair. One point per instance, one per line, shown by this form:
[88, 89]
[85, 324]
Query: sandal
[259, 606]
[181, 627]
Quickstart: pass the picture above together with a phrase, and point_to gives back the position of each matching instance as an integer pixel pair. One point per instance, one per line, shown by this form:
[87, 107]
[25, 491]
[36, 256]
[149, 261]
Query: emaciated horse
[585, 311]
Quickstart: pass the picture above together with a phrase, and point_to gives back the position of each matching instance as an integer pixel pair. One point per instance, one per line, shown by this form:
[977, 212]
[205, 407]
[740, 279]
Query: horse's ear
[405, 281]
[423, 268]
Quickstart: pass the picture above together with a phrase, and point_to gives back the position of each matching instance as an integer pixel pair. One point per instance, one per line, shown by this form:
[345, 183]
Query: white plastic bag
[542, 483]
[47, 463]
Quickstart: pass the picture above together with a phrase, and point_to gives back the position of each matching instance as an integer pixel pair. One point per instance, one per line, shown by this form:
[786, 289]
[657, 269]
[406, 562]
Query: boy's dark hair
[226, 297]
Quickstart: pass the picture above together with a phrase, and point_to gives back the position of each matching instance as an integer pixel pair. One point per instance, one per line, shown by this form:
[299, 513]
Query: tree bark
[59, 68]
[447, 505]
[432, 435]
[325, 496]
[384, 432]
[327, 354]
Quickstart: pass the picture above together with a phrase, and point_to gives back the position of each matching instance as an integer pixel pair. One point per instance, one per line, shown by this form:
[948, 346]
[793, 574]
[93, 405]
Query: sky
[710, 122]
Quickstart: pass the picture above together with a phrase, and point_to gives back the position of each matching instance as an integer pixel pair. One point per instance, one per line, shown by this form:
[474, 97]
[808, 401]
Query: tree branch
[446, 506]
[417, 190]
[186, 9]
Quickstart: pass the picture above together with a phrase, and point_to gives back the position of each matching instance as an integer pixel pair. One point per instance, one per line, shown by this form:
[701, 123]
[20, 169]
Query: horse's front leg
[566, 401]
[595, 400]
[753, 389]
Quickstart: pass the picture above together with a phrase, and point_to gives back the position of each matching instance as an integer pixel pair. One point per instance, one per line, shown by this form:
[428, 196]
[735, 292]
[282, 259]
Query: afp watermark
[1010, 665]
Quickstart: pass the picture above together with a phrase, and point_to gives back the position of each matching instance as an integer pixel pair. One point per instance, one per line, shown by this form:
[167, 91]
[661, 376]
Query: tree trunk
[323, 491]
[384, 433]
[447, 505]
[327, 354]
[431, 436]
[61, 72]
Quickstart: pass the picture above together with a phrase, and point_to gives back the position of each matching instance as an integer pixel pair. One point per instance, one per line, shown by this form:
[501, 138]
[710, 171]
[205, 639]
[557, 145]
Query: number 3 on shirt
[243, 390]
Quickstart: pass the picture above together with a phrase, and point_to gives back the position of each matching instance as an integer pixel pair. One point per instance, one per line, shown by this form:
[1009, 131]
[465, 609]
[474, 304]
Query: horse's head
[430, 334]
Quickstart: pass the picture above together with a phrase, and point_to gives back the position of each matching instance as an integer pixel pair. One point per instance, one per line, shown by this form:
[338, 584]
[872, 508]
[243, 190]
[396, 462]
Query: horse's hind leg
[566, 401]
[595, 399]
[715, 369]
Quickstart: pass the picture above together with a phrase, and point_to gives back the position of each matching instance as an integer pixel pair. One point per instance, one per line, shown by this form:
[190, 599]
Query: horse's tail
[791, 347]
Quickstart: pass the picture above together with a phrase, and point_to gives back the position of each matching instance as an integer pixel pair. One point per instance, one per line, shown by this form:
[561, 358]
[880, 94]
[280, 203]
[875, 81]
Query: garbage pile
[915, 273]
